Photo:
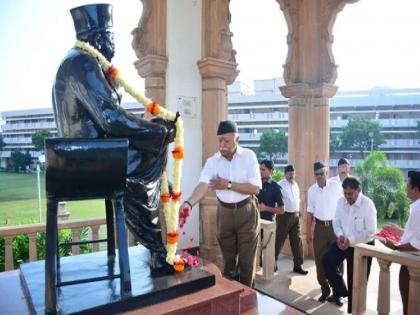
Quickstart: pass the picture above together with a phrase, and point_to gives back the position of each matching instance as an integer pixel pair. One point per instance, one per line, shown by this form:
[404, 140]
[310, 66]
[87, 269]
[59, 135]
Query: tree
[20, 160]
[335, 143]
[38, 139]
[385, 185]
[273, 142]
[362, 134]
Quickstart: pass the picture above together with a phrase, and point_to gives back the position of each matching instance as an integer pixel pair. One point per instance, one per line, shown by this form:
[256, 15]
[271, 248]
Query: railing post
[75, 249]
[32, 247]
[413, 297]
[267, 246]
[359, 282]
[95, 236]
[8, 253]
[384, 294]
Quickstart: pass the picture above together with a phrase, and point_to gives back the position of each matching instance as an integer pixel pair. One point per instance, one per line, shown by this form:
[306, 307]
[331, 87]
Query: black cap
[289, 168]
[414, 178]
[319, 165]
[91, 18]
[227, 126]
[343, 161]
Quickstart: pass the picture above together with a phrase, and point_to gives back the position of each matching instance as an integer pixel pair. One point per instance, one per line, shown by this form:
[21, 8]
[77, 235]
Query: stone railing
[9, 232]
[385, 258]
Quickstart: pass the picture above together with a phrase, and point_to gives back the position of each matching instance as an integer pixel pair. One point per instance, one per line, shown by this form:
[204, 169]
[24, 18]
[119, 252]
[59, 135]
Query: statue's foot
[159, 266]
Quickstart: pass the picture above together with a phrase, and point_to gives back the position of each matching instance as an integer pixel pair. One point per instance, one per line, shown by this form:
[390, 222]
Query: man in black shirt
[270, 198]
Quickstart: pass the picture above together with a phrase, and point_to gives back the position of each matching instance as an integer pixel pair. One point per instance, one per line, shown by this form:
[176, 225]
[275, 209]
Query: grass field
[19, 201]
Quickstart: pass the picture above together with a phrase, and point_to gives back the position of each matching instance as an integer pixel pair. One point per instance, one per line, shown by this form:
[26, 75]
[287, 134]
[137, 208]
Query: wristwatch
[229, 185]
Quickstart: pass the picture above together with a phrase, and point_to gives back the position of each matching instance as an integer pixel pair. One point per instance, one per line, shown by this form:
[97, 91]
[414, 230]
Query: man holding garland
[233, 173]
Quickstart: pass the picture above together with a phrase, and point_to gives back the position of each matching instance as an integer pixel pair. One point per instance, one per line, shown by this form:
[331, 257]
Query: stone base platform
[104, 297]
[225, 297]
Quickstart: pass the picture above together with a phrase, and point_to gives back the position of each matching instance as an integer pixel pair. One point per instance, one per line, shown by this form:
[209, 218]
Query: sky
[376, 43]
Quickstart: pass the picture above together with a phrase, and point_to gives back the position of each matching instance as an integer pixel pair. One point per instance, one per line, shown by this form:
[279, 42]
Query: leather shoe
[338, 300]
[300, 270]
[323, 298]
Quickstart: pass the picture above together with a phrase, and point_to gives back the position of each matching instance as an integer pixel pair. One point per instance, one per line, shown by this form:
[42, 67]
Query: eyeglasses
[319, 174]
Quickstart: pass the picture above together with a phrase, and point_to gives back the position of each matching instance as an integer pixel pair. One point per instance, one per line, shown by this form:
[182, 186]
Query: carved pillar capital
[305, 90]
[151, 65]
[219, 68]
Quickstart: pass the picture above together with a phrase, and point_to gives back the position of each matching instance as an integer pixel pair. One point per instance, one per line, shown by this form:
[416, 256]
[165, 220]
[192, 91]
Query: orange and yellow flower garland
[170, 201]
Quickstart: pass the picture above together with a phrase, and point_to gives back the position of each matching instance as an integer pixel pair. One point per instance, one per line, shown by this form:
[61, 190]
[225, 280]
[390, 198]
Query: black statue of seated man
[87, 105]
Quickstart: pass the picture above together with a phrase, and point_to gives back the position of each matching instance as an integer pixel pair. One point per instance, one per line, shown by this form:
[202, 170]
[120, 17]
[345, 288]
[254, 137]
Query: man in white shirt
[410, 241]
[288, 222]
[344, 168]
[234, 174]
[354, 222]
[322, 203]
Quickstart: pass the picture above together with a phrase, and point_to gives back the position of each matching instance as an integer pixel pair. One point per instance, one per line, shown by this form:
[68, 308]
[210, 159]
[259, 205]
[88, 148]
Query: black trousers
[331, 259]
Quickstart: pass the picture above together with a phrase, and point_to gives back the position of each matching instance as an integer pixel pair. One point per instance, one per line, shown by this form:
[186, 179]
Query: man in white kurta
[410, 241]
[354, 222]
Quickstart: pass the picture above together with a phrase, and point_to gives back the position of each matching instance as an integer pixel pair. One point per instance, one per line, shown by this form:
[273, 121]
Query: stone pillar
[309, 74]
[149, 44]
[218, 69]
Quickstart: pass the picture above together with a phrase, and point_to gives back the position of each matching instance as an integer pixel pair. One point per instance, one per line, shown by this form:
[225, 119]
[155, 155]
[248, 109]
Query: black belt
[325, 223]
[235, 205]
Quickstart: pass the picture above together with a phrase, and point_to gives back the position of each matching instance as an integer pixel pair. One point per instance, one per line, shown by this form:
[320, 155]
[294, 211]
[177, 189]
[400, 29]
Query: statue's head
[93, 24]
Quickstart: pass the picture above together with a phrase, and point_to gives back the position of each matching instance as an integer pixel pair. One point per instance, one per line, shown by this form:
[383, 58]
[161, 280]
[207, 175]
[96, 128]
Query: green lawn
[19, 201]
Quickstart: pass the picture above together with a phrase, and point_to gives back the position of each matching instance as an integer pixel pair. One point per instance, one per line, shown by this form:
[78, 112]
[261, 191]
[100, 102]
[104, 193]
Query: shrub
[385, 185]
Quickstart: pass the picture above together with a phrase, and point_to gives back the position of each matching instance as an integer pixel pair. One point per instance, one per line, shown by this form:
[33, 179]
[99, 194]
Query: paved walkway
[304, 291]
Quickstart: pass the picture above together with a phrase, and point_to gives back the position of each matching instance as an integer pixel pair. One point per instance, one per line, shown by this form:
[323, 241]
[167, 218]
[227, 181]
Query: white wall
[184, 81]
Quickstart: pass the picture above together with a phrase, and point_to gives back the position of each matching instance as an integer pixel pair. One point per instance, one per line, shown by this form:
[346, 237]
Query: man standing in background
[322, 203]
[343, 168]
[288, 223]
[270, 197]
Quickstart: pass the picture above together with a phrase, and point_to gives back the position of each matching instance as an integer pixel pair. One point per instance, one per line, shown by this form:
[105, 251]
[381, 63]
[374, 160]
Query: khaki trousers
[288, 224]
[238, 235]
[323, 237]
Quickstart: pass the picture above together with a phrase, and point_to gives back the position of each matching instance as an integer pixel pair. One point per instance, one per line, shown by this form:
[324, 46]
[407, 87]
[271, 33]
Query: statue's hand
[170, 126]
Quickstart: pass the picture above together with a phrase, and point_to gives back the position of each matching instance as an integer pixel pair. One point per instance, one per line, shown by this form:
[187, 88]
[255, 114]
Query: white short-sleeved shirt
[291, 195]
[322, 202]
[412, 228]
[243, 168]
[337, 179]
[357, 222]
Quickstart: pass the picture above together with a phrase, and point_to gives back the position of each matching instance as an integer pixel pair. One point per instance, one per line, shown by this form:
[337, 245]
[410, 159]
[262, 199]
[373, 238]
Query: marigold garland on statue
[170, 200]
